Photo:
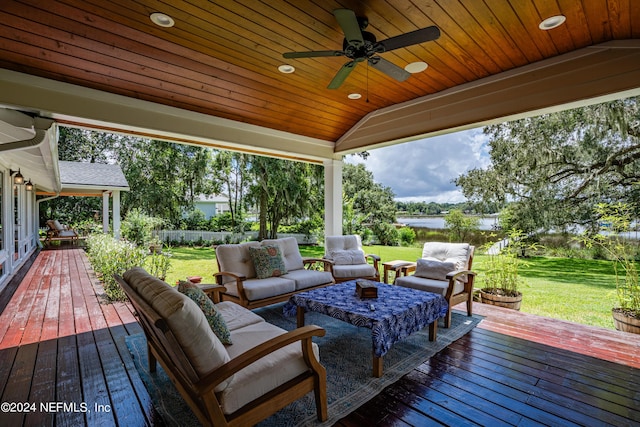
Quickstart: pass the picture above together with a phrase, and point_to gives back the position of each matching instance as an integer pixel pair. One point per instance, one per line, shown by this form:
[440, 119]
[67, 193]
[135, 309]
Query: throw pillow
[348, 257]
[267, 261]
[431, 268]
[214, 318]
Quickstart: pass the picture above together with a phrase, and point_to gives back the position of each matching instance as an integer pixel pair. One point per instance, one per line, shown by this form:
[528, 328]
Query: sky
[423, 170]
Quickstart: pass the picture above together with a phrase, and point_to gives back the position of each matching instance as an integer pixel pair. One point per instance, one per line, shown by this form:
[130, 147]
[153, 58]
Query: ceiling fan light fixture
[416, 67]
[354, 96]
[286, 68]
[162, 19]
[552, 22]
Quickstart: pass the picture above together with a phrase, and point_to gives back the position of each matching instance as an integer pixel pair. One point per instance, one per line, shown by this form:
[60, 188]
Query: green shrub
[407, 236]
[158, 264]
[386, 233]
[109, 256]
[137, 226]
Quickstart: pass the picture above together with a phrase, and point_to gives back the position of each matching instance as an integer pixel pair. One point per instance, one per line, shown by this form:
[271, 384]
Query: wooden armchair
[208, 375]
[444, 268]
[348, 260]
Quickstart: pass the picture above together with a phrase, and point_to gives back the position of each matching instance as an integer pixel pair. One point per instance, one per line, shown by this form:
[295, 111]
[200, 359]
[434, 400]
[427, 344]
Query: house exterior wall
[18, 225]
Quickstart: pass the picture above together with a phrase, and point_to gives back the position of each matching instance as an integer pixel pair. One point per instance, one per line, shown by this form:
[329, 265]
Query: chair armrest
[212, 291]
[304, 334]
[375, 259]
[452, 276]
[237, 276]
[310, 261]
[409, 268]
[455, 274]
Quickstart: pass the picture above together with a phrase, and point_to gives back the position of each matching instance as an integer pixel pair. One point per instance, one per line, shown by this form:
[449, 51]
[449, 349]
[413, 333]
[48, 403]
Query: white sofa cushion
[307, 278]
[342, 243]
[236, 259]
[428, 285]
[347, 257]
[257, 289]
[290, 252]
[458, 253]
[360, 270]
[236, 316]
[264, 374]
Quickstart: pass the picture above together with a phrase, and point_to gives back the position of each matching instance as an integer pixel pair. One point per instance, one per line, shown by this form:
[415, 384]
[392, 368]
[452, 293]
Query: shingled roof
[78, 175]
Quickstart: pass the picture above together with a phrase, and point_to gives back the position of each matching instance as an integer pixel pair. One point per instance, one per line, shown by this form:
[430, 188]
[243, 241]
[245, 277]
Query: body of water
[437, 222]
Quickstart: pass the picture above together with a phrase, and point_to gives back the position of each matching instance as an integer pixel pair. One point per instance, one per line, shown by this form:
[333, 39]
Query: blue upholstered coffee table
[395, 314]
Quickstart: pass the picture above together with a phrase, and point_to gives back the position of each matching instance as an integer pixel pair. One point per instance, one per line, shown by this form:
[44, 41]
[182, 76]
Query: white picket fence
[188, 236]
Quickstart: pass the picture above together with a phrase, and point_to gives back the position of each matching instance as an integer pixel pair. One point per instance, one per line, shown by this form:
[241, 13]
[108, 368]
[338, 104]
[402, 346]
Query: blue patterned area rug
[345, 351]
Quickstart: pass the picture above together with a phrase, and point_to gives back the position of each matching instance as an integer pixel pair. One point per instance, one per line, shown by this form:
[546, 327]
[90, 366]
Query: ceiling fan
[360, 46]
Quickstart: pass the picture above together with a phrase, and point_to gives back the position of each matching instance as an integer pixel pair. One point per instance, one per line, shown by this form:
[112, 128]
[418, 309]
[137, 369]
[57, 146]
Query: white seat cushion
[360, 270]
[257, 289]
[236, 316]
[307, 278]
[264, 374]
[428, 285]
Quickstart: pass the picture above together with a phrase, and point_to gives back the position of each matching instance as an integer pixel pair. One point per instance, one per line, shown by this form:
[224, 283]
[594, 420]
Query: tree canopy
[554, 168]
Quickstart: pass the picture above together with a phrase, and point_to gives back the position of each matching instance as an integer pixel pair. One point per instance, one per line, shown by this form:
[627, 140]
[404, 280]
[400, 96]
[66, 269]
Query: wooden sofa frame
[198, 392]
[242, 300]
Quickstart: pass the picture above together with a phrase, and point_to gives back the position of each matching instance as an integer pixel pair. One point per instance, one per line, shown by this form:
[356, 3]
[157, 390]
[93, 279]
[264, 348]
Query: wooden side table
[393, 266]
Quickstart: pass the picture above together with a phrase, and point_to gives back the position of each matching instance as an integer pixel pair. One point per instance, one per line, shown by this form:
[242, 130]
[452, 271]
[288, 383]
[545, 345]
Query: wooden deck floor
[60, 343]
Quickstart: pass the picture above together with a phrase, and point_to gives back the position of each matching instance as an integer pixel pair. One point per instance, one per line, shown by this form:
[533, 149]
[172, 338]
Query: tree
[165, 177]
[555, 167]
[460, 225]
[231, 170]
[368, 202]
[284, 190]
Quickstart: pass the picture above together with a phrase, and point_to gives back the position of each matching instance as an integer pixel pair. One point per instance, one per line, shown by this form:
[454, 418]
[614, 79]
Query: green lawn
[577, 290]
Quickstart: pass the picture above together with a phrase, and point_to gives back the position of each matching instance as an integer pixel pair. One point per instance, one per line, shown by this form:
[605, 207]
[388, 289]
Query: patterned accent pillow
[216, 322]
[267, 261]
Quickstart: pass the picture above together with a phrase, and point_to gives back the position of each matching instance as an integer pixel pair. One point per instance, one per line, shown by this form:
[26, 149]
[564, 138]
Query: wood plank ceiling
[221, 58]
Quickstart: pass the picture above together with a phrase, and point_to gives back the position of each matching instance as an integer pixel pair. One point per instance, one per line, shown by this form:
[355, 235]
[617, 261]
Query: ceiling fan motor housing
[366, 50]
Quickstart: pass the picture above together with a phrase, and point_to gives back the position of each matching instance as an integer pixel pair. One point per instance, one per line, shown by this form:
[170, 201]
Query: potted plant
[500, 282]
[614, 219]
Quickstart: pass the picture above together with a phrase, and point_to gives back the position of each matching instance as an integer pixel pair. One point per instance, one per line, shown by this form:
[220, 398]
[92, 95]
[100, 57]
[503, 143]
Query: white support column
[333, 197]
[105, 212]
[116, 214]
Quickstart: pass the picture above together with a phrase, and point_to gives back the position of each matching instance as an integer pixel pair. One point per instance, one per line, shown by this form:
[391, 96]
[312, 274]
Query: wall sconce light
[28, 185]
[18, 179]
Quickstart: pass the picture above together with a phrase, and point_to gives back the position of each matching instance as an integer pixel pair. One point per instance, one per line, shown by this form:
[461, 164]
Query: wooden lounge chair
[59, 231]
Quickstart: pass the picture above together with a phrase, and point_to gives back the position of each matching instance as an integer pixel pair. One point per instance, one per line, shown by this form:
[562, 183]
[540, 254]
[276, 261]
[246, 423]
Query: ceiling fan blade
[312, 54]
[411, 38]
[389, 68]
[342, 74]
[350, 26]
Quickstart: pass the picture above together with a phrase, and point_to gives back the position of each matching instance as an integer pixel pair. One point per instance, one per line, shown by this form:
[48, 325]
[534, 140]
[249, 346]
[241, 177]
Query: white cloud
[424, 170]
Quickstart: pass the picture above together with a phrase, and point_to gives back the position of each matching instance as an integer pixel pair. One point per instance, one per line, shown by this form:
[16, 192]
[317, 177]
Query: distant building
[212, 205]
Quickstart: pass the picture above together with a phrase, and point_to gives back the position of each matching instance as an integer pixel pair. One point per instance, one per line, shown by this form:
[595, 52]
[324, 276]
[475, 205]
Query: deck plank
[60, 339]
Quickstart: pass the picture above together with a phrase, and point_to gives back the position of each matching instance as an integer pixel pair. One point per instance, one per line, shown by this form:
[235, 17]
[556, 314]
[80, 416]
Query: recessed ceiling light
[552, 22]
[354, 96]
[162, 19]
[416, 67]
[286, 68]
